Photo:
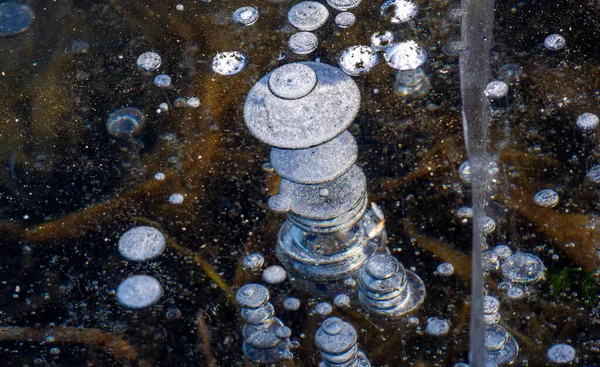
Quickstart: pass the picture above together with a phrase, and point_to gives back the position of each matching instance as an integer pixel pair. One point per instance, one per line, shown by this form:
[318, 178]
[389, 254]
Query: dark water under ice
[69, 190]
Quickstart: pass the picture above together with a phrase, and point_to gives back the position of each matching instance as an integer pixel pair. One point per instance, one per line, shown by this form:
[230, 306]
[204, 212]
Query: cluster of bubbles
[140, 244]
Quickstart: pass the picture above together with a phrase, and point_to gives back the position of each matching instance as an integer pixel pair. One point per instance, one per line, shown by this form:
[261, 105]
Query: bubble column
[266, 339]
[303, 111]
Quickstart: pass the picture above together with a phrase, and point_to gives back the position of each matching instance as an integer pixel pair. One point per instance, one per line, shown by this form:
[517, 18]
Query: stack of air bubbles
[140, 244]
[519, 269]
[303, 110]
[501, 347]
[387, 289]
[266, 338]
[336, 340]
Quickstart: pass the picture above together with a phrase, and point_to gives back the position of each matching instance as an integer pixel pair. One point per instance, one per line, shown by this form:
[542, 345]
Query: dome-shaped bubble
[341, 300]
[142, 243]
[125, 121]
[546, 198]
[252, 295]
[292, 81]
[399, 11]
[437, 327]
[303, 43]
[495, 337]
[561, 353]
[523, 268]
[253, 262]
[323, 308]
[491, 304]
[587, 121]
[356, 60]
[149, 61]
[193, 102]
[15, 18]
[139, 291]
[465, 212]
[445, 269]
[162, 80]
[343, 4]
[380, 40]
[246, 15]
[176, 199]
[594, 174]
[229, 63]
[496, 89]
[291, 304]
[345, 19]
[554, 42]
[308, 15]
[502, 251]
[274, 274]
[407, 55]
